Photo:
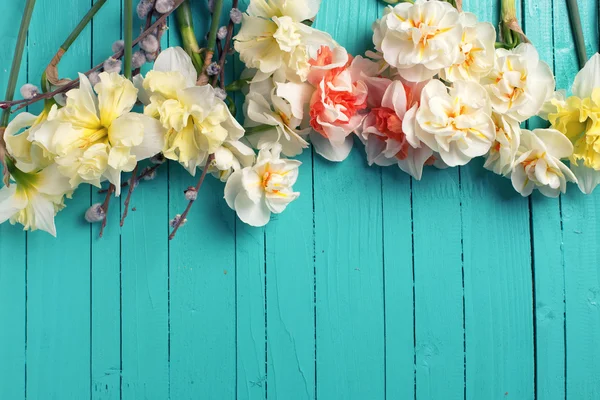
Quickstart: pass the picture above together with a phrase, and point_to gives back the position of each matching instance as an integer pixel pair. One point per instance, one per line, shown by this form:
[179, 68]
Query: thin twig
[129, 193]
[105, 206]
[72, 84]
[226, 47]
[189, 206]
[147, 172]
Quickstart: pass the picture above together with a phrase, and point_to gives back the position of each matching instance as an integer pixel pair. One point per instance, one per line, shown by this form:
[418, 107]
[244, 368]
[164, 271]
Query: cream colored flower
[34, 198]
[256, 192]
[272, 118]
[231, 157]
[539, 166]
[501, 157]
[274, 38]
[94, 137]
[28, 154]
[419, 39]
[477, 51]
[520, 83]
[455, 122]
[196, 120]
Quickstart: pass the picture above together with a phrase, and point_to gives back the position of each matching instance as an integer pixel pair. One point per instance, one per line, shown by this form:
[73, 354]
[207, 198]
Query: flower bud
[118, 46]
[138, 59]
[112, 65]
[143, 8]
[236, 16]
[94, 78]
[164, 6]
[95, 213]
[191, 194]
[150, 57]
[148, 176]
[29, 91]
[61, 99]
[213, 69]
[220, 93]
[176, 221]
[222, 33]
[149, 44]
[158, 159]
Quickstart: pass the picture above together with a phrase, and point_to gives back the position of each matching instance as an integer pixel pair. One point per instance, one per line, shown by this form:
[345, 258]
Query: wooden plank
[106, 251]
[58, 275]
[498, 277]
[581, 232]
[13, 244]
[145, 282]
[439, 328]
[549, 305]
[251, 294]
[349, 246]
[202, 280]
[398, 284]
[290, 295]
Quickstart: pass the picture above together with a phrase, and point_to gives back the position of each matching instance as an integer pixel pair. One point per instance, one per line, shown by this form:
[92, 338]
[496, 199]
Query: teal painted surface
[370, 286]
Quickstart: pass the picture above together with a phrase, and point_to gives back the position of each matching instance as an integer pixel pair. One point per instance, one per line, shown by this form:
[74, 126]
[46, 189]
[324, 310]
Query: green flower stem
[52, 68]
[16, 64]
[188, 36]
[508, 17]
[575, 19]
[212, 35]
[128, 37]
[82, 24]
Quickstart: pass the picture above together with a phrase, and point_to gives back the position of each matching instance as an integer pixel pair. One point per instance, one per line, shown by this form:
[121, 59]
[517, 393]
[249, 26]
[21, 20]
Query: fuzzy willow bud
[164, 6]
[29, 91]
[149, 44]
[112, 65]
[95, 213]
[138, 59]
[236, 16]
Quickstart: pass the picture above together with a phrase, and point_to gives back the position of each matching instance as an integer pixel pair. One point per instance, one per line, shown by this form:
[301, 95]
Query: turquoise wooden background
[370, 286]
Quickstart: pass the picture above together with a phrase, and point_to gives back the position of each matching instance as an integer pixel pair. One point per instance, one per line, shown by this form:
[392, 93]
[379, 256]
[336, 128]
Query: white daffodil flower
[501, 157]
[94, 137]
[29, 155]
[272, 118]
[264, 188]
[273, 37]
[231, 157]
[419, 39]
[455, 122]
[519, 83]
[539, 166]
[34, 198]
[196, 120]
[477, 51]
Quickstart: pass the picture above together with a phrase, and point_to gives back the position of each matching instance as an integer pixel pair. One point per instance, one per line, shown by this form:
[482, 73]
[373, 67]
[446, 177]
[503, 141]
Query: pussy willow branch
[129, 193]
[105, 206]
[189, 206]
[72, 84]
[12, 82]
[52, 68]
[145, 173]
[226, 47]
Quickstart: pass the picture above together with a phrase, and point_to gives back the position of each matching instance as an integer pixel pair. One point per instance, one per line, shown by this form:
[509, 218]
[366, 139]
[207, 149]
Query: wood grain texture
[58, 298]
[106, 251]
[369, 286]
[202, 280]
[349, 247]
[581, 234]
[546, 232]
[13, 242]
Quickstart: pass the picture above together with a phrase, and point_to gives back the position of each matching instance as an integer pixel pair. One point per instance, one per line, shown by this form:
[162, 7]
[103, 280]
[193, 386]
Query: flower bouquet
[438, 89]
